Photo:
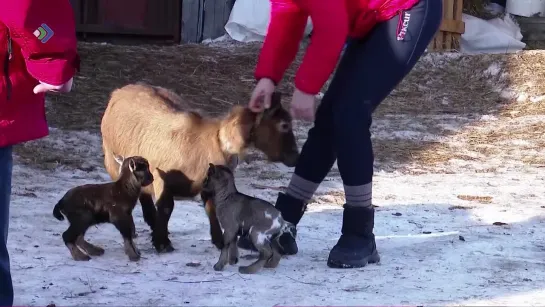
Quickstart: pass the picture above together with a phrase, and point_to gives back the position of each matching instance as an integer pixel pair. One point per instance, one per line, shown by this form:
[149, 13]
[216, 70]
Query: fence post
[192, 21]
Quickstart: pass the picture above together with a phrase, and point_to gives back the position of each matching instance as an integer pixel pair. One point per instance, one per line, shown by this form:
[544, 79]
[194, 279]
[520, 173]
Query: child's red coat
[44, 48]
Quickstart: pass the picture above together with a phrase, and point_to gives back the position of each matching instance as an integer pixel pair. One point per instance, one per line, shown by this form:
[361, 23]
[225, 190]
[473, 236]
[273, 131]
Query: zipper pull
[10, 49]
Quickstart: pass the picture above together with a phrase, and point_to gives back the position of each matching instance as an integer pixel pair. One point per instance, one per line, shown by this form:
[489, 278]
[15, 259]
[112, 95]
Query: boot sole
[373, 258]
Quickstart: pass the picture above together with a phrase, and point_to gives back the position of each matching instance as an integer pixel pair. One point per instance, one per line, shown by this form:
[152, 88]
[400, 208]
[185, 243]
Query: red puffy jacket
[333, 22]
[37, 42]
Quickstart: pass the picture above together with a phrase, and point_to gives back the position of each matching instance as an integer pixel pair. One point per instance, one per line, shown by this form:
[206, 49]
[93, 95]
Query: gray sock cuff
[301, 188]
[359, 196]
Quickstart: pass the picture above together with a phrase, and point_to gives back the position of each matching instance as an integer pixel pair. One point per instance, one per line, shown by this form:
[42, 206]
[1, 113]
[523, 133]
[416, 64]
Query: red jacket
[43, 42]
[333, 22]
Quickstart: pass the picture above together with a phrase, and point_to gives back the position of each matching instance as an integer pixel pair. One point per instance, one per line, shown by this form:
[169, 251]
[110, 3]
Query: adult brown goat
[156, 123]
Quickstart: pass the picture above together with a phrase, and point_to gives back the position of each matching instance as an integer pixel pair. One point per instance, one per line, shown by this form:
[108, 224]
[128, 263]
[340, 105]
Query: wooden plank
[192, 21]
[448, 13]
[216, 14]
[439, 41]
[534, 36]
[458, 11]
[451, 25]
[176, 20]
[112, 29]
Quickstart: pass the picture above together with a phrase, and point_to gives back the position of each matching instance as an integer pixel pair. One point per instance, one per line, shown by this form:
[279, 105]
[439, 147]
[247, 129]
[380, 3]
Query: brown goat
[156, 123]
[112, 202]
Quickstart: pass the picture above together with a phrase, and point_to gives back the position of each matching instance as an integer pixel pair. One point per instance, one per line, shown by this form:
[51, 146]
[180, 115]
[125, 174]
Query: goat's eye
[283, 127]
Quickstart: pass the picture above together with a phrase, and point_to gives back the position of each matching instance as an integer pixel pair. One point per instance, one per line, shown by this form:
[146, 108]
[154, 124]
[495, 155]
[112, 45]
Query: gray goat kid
[239, 214]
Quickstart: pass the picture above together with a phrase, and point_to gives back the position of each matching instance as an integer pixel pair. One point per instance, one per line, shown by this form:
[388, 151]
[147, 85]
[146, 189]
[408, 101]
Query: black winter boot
[292, 210]
[356, 246]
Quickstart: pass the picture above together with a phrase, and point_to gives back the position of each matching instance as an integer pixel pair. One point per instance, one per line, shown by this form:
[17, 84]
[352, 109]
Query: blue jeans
[6, 166]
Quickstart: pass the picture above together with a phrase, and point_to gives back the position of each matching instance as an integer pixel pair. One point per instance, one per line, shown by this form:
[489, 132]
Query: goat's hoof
[219, 266]
[134, 257]
[81, 257]
[165, 248]
[95, 251]
[246, 270]
[271, 265]
[168, 248]
[233, 261]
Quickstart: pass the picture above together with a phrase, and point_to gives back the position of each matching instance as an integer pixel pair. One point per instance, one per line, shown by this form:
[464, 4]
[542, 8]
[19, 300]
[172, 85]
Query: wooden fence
[452, 27]
[204, 19]
[150, 18]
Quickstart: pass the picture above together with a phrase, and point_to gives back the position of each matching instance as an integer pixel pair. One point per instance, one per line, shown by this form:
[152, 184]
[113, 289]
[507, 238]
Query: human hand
[261, 96]
[44, 87]
[302, 106]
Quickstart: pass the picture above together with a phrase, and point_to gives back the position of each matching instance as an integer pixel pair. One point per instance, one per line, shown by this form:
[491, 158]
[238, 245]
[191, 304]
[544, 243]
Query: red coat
[43, 47]
[333, 22]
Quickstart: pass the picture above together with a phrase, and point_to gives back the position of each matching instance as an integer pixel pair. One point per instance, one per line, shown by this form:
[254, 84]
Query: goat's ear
[276, 103]
[276, 100]
[132, 165]
[119, 159]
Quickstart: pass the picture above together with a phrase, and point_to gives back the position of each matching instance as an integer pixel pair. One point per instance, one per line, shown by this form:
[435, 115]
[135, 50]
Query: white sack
[498, 35]
[249, 20]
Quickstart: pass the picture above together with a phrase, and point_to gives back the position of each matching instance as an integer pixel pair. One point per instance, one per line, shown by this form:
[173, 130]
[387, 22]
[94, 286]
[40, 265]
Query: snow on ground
[434, 232]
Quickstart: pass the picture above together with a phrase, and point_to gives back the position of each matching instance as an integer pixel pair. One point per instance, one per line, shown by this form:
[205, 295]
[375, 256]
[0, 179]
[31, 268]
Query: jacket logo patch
[43, 33]
[403, 25]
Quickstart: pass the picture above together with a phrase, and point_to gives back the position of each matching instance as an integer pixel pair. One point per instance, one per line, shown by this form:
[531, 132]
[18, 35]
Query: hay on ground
[215, 78]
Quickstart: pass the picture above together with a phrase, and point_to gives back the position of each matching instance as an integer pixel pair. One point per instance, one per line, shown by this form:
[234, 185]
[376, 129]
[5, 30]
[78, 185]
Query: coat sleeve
[45, 32]
[284, 33]
[330, 31]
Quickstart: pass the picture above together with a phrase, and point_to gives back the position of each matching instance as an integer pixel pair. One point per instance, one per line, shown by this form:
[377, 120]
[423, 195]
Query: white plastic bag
[498, 35]
[249, 20]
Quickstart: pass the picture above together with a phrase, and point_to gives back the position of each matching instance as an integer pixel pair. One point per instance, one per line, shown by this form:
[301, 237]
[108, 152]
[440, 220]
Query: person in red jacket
[37, 54]
[385, 40]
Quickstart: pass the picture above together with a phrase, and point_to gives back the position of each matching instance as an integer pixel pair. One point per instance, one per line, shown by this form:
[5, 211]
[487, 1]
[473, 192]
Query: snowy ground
[436, 226]
[436, 247]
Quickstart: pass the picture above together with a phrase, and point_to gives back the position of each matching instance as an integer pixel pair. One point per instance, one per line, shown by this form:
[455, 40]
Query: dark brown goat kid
[111, 202]
[158, 124]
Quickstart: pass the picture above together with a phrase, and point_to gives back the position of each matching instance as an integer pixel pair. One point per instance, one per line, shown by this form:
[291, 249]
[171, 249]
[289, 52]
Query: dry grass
[461, 208]
[475, 198]
[214, 79]
[511, 136]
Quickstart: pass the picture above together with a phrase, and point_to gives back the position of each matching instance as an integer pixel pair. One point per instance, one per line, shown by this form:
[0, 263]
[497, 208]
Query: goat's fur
[111, 202]
[240, 214]
[156, 123]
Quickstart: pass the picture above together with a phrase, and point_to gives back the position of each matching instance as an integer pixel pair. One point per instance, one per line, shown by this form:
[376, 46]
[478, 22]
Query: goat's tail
[57, 210]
